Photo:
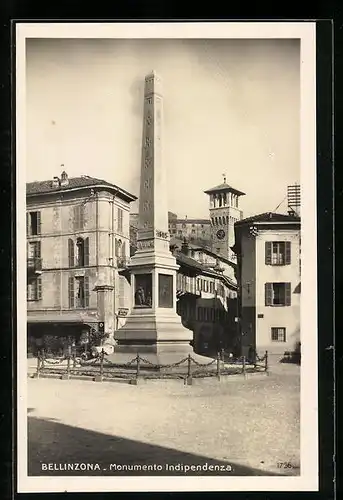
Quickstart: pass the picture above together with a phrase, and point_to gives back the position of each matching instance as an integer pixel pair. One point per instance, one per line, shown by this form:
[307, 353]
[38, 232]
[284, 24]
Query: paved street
[251, 425]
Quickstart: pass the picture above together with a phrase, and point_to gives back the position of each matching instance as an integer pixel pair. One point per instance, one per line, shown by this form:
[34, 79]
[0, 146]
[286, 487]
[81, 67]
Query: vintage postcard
[167, 256]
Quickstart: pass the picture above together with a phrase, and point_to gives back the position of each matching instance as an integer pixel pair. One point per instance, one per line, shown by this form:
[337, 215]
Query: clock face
[220, 234]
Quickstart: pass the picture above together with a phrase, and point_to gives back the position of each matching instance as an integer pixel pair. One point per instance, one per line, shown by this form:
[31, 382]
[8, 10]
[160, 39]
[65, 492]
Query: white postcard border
[305, 31]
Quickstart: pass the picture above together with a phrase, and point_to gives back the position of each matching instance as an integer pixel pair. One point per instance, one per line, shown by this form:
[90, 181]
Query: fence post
[99, 378]
[134, 381]
[244, 368]
[38, 364]
[138, 366]
[188, 380]
[218, 366]
[43, 357]
[266, 367]
[66, 376]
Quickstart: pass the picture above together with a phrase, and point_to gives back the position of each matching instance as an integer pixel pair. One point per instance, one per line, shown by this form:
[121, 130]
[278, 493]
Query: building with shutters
[269, 275]
[195, 230]
[77, 243]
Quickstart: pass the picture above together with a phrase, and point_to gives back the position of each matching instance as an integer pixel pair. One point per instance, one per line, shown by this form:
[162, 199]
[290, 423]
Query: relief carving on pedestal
[165, 290]
[143, 290]
[145, 244]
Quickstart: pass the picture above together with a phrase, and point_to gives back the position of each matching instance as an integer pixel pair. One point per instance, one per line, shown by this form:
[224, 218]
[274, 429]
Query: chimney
[55, 182]
[64, 178]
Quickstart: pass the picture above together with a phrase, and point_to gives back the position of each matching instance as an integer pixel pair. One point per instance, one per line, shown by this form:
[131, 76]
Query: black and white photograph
[166, 177]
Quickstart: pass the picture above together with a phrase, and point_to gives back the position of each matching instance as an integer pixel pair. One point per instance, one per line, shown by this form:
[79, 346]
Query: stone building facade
[269, 282]
[77, 241]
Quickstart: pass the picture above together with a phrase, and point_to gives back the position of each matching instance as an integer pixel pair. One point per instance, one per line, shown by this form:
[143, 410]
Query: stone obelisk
[153, 328]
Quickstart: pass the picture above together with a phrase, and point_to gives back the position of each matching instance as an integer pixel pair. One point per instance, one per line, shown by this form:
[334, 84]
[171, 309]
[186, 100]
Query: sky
[230, 106]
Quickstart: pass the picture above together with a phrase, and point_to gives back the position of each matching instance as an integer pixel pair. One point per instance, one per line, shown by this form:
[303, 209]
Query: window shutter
[86, 252]
[71, 253]
[71, 294]
[76, 217]
[287, 252]
[116, 248]
[123, 250]
[38, 223]
[38, 250]
[120, 220]
[81, 216]
[39, 288]
[287, 294]
[27, 224]
[268, 291]
[268, 253]
[86, 291]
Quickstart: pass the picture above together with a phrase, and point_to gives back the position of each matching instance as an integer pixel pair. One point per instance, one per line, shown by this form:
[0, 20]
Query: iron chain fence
[100, 368]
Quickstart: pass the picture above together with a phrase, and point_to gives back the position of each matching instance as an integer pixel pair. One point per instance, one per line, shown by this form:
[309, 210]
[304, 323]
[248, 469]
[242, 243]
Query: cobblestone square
[252, 425]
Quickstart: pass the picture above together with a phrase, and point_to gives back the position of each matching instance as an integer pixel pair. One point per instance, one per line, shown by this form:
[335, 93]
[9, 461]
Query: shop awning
[67, 317]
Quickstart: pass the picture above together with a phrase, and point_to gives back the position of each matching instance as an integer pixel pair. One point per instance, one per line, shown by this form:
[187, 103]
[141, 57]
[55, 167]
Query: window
[82, 252]
[34, 250]
[183, 226]
[180, 232]
[212, 286]
[120, 220]
[33, 223]
[202, 226]
[79, 217]
[278, 253]
[193, 225]
[199, 284]
[205, 285]
[192, 253]
[277, 294]
[193, 231]
[278, 334]
[34, 289]
[78, 292]
[173, 231]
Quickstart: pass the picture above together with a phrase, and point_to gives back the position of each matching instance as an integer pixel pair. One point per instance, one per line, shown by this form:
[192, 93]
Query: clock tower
[224, 212]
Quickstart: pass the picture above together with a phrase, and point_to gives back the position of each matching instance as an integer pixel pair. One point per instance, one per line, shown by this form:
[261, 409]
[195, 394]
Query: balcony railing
[34, 265]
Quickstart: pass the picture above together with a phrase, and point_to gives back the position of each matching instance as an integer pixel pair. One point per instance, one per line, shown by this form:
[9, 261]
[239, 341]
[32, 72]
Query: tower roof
[224, 187]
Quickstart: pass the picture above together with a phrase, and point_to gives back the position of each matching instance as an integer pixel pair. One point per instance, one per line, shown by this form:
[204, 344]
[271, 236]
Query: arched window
[220, 221]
